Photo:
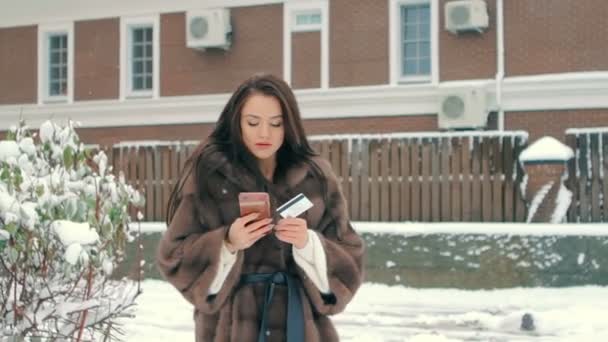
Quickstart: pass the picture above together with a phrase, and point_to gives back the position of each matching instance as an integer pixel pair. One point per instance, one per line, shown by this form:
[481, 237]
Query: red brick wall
[18, 65]
[555, 123]
[112, 135]
[386, 124]
[306, 60]
[257, 46]
[96, 57]
[358, 37]
[546, 36]
[469, 55]
[382, 124]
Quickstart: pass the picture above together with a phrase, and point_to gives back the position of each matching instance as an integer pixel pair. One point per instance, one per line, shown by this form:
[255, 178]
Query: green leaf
[18, 178]
[5, 175]
[91, 202]
[82, 210]
[71, 209]
[11, 228]
[68, 157]
[13, 255]
[115, 214]
[81, 157]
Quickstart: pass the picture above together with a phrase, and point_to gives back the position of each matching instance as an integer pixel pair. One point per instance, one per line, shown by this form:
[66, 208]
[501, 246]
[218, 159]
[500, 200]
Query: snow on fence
[432, 177]
[586, 174]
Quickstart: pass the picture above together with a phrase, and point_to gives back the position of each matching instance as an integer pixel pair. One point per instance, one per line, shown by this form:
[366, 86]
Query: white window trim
[395, 45]
[23, 13]
[44, 31]
[126, 93]
[522, 94]
[290, 9]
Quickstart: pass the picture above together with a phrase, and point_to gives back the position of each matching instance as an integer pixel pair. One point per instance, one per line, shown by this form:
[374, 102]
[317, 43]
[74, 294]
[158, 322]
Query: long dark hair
[226, 138]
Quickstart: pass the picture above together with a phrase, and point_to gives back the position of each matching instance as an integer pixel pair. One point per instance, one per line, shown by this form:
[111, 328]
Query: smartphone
[255, 202]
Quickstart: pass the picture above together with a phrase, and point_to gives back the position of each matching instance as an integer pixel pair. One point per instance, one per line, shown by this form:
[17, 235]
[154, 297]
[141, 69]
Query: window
[414, 43]
[55, 63]
[58, 65]
[141, 58]
[307, 20]
[139, 71]
[416, 40]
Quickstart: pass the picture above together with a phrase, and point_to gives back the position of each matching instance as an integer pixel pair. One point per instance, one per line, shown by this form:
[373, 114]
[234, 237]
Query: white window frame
[395, 44]
[291, 8]
[44, 33]
[126, 88]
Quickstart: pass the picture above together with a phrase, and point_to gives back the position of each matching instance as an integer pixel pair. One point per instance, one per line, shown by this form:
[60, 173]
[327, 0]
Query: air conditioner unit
[208, 29]
[466, 15]
[462, 108]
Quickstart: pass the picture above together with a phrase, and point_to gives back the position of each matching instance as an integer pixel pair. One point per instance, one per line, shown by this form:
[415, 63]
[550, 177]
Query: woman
[254, 279]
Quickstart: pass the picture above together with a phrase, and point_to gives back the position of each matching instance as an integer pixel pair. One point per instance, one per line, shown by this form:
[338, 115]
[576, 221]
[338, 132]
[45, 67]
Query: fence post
[543, 188]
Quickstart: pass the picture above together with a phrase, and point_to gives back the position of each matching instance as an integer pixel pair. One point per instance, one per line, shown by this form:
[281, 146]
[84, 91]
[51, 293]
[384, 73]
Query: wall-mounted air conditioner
[208, 28]
[462, 107]
[466, 15]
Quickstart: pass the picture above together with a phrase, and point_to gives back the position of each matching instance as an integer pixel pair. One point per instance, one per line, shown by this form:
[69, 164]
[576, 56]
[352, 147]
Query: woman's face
[262, 125]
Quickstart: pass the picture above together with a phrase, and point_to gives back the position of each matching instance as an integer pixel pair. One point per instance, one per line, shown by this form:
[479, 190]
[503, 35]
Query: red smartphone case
[254, 202]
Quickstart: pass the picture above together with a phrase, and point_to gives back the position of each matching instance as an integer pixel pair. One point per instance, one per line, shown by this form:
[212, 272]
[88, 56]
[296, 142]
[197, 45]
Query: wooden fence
[395, 177]
[586, 174]
[429, 177]
[153, 168]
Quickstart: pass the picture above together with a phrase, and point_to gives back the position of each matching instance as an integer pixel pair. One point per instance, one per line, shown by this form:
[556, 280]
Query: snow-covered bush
[64, 221]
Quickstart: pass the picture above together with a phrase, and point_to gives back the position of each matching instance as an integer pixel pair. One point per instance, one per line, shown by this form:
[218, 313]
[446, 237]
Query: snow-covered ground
[396, 313]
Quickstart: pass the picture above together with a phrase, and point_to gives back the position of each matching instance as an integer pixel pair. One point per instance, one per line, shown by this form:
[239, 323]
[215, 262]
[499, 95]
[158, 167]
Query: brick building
[125, 71]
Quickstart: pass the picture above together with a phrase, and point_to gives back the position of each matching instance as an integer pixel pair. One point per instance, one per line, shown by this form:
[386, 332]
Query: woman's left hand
[292, 230]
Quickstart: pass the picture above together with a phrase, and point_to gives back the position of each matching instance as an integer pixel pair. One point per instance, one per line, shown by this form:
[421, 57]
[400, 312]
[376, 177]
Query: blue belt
[295, 315]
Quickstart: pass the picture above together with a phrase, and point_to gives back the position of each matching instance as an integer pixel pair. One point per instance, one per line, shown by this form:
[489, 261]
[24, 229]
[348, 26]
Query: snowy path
[396, 313]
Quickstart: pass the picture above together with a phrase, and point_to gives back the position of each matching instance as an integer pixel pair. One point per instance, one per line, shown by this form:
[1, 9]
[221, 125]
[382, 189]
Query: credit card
[295, 206]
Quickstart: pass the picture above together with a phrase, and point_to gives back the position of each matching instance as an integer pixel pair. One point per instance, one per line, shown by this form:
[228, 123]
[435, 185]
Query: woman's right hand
[245, 231]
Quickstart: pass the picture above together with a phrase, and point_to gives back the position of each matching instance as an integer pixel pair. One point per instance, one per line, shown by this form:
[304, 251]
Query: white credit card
[295, 206]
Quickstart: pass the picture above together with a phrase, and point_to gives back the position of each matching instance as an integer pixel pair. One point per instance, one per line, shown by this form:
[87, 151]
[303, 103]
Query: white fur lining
[227, 260]
[311, 259]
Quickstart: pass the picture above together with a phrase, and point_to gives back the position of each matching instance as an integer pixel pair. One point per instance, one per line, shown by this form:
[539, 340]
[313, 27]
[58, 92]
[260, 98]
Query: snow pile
[562, 201]
[71, 232]
[546, 148]
[537, 200]
[63, 226]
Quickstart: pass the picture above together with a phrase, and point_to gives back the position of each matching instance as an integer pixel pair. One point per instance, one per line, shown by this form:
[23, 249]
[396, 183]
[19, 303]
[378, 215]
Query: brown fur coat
[189, 251]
